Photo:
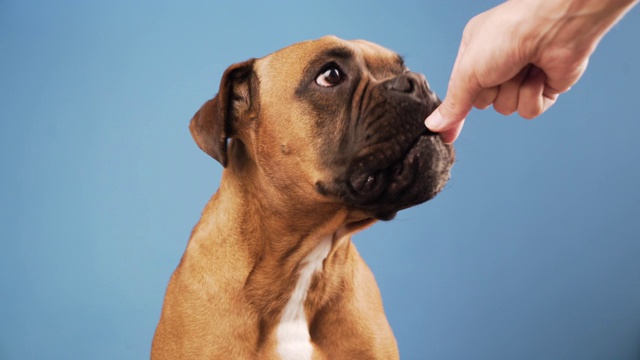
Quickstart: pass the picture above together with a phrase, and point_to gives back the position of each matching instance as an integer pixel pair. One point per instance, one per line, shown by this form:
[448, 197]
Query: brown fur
[241, 264]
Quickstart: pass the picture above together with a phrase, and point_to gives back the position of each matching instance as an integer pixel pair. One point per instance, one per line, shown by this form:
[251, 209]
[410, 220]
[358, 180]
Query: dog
[318, 141]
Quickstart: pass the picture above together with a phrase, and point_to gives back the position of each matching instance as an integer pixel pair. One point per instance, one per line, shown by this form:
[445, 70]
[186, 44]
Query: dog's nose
[405, 83]
[409, 83]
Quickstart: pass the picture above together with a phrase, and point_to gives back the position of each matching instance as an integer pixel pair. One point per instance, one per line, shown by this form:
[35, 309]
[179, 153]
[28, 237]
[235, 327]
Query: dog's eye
[330, 76]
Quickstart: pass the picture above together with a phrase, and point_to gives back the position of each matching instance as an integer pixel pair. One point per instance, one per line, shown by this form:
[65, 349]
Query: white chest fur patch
[294, 341]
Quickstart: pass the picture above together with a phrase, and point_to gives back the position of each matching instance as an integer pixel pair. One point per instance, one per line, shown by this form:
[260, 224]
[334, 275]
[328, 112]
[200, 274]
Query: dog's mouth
[396, 162]
[383, 185]
[365, 182]
[416, 176]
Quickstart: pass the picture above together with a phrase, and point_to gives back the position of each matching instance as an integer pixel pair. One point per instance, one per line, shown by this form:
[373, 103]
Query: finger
[485, 98]
[548, 100]
[530, 97]
[506, 102]
[462, 91]
[450, 135]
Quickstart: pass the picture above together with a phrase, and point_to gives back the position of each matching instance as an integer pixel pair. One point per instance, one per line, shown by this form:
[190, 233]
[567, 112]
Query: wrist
[598, 8]
[558, 9]
[572, 25]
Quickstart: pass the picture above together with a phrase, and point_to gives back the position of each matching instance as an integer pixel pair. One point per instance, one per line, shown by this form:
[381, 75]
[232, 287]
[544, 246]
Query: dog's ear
[213, 124]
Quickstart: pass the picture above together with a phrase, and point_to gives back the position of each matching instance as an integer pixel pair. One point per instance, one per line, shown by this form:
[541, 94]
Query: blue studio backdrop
[531, 252]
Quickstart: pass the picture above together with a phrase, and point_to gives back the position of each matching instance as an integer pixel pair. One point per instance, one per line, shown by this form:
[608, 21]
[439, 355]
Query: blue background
[531, 252]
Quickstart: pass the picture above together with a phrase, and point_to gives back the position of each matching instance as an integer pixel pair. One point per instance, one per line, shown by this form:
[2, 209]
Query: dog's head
[332, 121]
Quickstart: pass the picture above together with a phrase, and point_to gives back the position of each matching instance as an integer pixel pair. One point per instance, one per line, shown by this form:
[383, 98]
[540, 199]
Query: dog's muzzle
[396, 162]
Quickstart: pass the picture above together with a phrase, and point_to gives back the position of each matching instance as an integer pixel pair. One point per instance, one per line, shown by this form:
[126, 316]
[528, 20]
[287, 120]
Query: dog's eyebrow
[338, 52]
[400, 60]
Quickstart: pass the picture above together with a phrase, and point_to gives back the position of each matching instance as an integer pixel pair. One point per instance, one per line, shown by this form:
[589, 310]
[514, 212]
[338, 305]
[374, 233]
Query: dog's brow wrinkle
[339, 52]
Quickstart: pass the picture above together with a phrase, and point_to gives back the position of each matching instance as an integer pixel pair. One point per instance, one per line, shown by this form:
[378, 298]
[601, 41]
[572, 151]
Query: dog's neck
[291, 260]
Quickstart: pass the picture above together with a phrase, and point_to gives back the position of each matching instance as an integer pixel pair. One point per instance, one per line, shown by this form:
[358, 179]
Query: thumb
[450, 135]
[463, 89]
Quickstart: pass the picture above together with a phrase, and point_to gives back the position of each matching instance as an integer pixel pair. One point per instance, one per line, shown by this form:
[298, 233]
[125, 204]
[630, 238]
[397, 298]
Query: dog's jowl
[318, 141]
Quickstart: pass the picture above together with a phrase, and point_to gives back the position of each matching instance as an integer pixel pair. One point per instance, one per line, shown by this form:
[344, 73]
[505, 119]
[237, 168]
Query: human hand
[520, 55]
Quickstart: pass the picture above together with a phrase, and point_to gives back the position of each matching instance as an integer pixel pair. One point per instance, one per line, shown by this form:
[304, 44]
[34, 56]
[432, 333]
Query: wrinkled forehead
[290, 64]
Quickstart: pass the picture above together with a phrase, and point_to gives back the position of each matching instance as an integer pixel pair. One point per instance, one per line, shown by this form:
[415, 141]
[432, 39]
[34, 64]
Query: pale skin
[521, 55]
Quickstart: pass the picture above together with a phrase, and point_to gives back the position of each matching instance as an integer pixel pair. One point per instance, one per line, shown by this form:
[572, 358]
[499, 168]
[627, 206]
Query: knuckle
[453, 109]
[530, 113]
[527, 116]
[505, 106]
[504, 110]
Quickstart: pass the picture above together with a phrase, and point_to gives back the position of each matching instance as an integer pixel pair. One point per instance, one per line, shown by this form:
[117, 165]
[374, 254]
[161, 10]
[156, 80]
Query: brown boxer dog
[318, 140]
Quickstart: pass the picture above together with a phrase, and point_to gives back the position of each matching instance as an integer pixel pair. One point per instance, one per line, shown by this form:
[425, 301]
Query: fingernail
[434, 121]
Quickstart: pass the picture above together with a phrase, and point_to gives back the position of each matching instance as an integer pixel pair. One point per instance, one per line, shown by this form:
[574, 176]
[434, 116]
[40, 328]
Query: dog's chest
[294, 341]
